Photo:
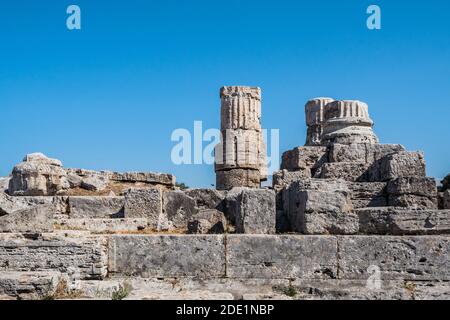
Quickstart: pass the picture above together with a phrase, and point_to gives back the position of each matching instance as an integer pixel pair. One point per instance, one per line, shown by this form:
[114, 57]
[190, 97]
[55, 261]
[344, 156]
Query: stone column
[314, 110]
[347, 122]
[241, 155]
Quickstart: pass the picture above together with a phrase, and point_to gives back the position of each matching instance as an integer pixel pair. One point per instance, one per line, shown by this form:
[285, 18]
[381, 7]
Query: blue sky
[108, 96]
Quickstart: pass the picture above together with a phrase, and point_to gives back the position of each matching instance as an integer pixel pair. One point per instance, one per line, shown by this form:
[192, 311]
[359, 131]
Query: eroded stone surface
[397, 221]
[38, 219]
[144, 203]
[38, 175]
[53, 252]
[282, 257]
[252, 210]
[168, 256]
[96, 207]
[403, 258]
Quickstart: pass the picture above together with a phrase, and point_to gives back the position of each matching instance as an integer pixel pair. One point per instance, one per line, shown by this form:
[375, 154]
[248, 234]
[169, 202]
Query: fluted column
[241, 155]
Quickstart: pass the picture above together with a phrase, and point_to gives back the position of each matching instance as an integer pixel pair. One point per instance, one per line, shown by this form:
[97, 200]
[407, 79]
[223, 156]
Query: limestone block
[207, 198]
[396, 221]
[283, 178]
[426, 290]
[96, 207]
[413, 192]
[331, 204]
[227, 180]
[28, 285]
[178, 208]
[317, 223]
[144, 203]
[368, 194]
[74, 180]
[38, 175]
[350, 171]
[167, 256]
[146, 177]
[36, 219]
[402, 164]
[94, 182]
[419, 186]
[412, 201]
[281, 257]
[362, 152]
[305, 159]
[398, 258]
[51, 252]
[349, 290]
[102, 226]
[208, 221]
[252, 210]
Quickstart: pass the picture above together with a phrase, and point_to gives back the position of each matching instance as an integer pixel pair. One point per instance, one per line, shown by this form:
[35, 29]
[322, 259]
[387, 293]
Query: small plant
[289, 291]
[120, 293]
[62, 291]
[181, 185]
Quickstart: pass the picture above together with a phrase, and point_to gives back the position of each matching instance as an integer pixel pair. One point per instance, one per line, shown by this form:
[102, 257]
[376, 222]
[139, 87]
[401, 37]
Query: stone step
[28, 285]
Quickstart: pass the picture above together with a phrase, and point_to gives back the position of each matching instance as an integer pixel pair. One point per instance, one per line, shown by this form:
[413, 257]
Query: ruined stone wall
[342, 209]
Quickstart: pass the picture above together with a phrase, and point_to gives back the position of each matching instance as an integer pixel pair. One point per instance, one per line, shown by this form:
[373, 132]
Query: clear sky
[108, 96]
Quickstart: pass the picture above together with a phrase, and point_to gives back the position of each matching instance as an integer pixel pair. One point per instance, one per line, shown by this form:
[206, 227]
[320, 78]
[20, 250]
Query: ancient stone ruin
[345, 218]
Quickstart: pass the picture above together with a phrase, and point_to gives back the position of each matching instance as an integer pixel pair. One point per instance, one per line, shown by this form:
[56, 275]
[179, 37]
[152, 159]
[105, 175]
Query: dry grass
[63, 292]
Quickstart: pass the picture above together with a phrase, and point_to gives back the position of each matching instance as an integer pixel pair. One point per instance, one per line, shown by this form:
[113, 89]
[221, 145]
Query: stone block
[402, 164]
[96, 207]
[144, 203]
[102, 226]
[413, 192]
[178, 209]
[283, 178]
[36, 219]
[38, 175]
[397, 221]
[328, 199]
[162, 256]
[398, 258]
[208, 221]
[362, 152]
[145, 177]
[28, 285]
[252, 210]
[10, 204]
[304, 159]
[412, 201]
[334, 223]
[281, 257]
[349, 171]
[368, 194]
[94, 182]
[420, 186]
[85, 255]
[207, 198]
